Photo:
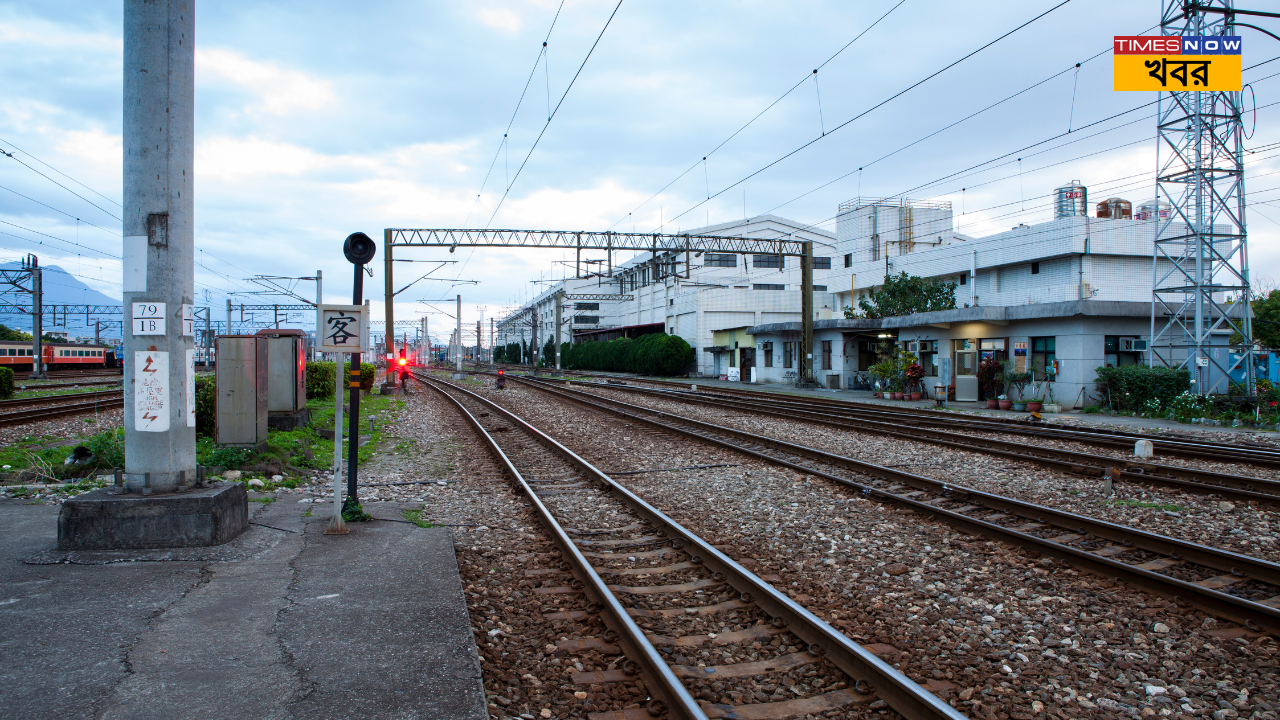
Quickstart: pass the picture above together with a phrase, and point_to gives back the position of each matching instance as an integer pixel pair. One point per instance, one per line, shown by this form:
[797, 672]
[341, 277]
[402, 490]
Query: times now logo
[1176, 45]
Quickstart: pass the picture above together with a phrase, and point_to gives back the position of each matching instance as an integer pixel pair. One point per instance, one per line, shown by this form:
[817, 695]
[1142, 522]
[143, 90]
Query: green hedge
[320, 380]
[654, 354]
[1129, 388]
[206, 406]
[6, 382]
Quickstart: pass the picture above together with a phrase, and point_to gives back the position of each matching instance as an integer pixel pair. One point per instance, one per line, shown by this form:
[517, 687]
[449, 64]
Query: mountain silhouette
[60, 288]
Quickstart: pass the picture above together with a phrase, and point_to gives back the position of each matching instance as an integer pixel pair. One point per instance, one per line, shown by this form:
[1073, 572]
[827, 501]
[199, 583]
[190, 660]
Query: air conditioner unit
[1132, 345]
[913, 347]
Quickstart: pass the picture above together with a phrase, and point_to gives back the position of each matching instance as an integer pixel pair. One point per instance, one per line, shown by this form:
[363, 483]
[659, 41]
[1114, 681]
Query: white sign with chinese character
[341, 328]
[188, 320]
[150, 391]
[148, 318]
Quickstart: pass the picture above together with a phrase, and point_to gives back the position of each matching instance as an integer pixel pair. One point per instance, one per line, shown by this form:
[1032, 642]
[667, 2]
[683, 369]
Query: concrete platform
[281, 622]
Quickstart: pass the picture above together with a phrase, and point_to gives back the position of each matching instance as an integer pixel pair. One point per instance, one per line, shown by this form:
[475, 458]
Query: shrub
[6, 381]
[499, 353]
[1129, 388]
[368, 373]
[320, 379]
[1189, 405]
[206, 406]
[108, 447]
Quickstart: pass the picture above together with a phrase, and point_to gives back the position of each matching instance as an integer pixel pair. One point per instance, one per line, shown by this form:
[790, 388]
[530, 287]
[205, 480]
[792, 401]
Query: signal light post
[343, 328]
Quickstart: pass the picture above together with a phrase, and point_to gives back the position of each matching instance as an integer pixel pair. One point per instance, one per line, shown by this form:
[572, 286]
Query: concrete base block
[459, 376]
[288, 420]
[100, 520]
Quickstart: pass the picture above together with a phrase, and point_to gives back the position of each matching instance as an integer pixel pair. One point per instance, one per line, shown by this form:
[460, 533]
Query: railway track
[651, 577]
[21, 402]
[52, 386]
[102, 401]
[1235, 587]
[1226, 485]
[1249, 453]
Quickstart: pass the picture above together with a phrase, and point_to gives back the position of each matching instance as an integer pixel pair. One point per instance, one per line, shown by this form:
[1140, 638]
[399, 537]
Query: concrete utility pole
[458, 358]
[159, 242]
[479, 342]
[491, 341]
[806, 313]
[228, 328]
[389, 290]
[559, 299]
[37, 319]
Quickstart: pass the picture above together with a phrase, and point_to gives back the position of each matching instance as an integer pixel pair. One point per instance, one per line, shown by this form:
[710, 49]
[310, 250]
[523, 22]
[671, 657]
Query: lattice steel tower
[1200, 315]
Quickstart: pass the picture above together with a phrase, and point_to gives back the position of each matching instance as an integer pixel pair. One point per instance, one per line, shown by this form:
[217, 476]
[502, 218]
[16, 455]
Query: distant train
[57, 356]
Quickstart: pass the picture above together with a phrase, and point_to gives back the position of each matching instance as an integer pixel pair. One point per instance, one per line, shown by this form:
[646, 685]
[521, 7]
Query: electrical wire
[758, 115]
[878, 105]
[557, 110]
[86, 187]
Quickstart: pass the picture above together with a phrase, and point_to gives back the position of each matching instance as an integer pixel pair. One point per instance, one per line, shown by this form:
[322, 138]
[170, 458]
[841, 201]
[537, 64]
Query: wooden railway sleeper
[864, 668]
[1221, 604]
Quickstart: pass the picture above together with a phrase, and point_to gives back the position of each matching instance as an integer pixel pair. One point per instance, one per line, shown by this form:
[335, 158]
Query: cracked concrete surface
[296, 624]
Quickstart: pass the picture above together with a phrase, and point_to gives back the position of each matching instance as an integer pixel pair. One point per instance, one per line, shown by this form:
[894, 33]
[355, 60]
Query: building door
[747, 361]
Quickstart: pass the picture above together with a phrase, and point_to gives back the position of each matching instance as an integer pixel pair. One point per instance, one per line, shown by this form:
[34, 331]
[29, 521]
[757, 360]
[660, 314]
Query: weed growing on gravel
[415, 517]
[263, 500]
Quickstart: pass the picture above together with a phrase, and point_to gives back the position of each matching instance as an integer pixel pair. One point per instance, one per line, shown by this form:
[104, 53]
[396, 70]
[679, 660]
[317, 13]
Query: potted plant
[915, 374]
[1005, 402]
[989, 377]
[1020, 381]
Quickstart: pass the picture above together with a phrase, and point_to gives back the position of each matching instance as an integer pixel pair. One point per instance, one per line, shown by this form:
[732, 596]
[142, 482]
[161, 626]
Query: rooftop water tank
[1153, 209]
[1115, 209]
[1070, 201]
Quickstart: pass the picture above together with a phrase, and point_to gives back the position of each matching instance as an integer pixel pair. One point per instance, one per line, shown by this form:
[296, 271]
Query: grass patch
[263, 500]
[415, 517]
[1125, 502]
[303, 448]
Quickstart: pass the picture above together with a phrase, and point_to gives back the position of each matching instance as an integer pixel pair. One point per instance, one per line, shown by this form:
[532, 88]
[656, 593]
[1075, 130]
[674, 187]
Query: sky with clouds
[319, 118]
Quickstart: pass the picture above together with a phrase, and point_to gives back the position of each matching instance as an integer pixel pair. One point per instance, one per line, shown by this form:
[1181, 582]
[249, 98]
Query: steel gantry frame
[579, 240]
[1200, 262]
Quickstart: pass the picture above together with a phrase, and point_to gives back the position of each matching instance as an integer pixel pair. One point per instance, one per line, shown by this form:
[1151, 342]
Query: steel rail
[897, 690]
[1265, 616]
[658, 675]
[19, 402]
[1235, 487]
[23, 417]
[1118, 438]
[52, 386]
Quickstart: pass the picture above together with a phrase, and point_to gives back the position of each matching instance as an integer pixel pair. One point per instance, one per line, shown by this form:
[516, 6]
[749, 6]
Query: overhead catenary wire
[879, 105]
[86, 187]
[556, 110]
[767, 108]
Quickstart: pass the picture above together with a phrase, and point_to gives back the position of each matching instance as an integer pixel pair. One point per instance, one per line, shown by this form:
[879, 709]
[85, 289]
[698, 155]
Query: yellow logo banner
[1178, 73]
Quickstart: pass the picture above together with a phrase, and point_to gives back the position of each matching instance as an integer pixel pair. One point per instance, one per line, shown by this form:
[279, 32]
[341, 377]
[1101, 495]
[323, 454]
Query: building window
[823, 263]
[767, 349]
[848, 260]
[788, 350]
[826, 354]
[768, 286]
[671, 302]
[1114, 353]
[1043, 353]
[767, 261]
[733, 357]
[819, 288]
[720, 260]
[586, 306]
[964, 279]
[1035, 268]
[586, 319]
[965, 355]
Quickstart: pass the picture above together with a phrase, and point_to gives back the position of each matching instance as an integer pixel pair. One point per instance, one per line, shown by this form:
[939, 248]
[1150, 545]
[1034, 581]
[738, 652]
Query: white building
[689, 295]
[1076, 290]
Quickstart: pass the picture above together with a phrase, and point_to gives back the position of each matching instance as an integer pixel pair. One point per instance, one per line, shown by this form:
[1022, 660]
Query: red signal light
[500, 372]
[403, 361]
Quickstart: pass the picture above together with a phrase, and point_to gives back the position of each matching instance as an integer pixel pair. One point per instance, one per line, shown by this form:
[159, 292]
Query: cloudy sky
[318, 118]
